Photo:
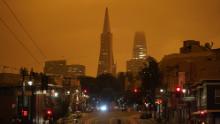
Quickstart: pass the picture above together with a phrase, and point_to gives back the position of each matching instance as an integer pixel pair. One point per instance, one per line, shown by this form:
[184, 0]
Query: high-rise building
[106, 61]
[139, 48]
[136, 64]
[138, 60]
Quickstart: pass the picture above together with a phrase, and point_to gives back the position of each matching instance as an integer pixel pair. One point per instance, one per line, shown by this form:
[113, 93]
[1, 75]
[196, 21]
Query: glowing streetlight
[30, 83]
[56, 94]
[184, 91]
[68, 92]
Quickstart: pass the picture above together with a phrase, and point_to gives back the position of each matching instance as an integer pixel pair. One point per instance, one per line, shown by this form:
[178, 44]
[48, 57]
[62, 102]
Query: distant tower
[136, 63]
[139, 48]
[106, 60]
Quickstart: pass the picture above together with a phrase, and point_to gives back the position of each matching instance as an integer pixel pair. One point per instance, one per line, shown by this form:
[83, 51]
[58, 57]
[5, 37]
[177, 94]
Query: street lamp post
[25, 75]
[32, 108]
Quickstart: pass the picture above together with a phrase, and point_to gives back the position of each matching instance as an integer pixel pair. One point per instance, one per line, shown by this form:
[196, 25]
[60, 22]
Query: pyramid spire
[106, 61]
[106, 27]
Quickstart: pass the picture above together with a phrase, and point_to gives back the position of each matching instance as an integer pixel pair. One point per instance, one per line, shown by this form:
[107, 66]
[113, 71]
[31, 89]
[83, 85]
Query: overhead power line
[24, 29]
[17, 39]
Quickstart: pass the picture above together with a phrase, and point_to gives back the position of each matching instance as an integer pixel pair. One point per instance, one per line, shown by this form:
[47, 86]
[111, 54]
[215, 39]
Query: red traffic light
[202, 112]
[24, 112]
[135, 90]
[85, 91]
[49, 112]
[178, 89]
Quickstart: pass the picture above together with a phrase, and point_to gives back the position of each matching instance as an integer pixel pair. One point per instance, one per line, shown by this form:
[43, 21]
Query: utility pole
[23, 73]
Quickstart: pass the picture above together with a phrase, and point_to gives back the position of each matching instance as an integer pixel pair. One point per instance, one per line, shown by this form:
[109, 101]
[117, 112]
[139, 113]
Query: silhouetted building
[106, 61]
[194, 46]
[64, 74]
[207, 100]
[9, 83]
[9, 79]
[194, 63]
[193, 66]
[55, 67]
[72, 74]
[59, 67]
[77, 70]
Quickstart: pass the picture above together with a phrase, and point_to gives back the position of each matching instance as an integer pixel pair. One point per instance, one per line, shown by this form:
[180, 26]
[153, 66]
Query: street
[108, 118]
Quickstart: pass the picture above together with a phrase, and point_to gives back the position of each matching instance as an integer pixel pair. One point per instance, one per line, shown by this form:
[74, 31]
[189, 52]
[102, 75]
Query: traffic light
[178, 89]
[202, 113]
[135, 90]
[85, 91]
[49, 113]
[24, 115]
[24, 112]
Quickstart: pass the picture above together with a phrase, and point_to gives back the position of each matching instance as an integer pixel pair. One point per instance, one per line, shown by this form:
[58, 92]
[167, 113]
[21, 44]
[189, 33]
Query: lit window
[204, 97]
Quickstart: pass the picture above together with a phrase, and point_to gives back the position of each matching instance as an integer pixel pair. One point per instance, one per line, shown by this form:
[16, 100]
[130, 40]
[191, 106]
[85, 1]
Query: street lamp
[56, 94]
[30, 82]
[184, 91]
[68, 92]
[77, 90]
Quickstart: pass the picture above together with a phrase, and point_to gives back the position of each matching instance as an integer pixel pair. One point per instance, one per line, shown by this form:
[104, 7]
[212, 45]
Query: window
[204, 97]
[217, 96]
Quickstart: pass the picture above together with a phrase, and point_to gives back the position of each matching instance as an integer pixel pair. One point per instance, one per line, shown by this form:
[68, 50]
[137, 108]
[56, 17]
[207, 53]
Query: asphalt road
[109, 118]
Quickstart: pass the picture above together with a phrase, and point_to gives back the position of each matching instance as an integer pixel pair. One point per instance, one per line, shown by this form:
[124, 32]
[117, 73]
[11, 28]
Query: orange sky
[70, 29]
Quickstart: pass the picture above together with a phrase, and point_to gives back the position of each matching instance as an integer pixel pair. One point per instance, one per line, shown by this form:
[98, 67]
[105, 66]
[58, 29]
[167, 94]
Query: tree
[150, 78]
[89, 84]
[108, 86]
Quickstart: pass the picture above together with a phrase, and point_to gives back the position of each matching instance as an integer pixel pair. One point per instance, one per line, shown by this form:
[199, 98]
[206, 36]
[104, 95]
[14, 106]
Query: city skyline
[71, 31]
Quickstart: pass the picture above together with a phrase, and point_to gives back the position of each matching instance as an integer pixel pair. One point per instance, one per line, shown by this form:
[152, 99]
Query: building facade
[139, 54]
[106, 61]
[64, 74]
[207, 103]
[139, 47]
[138, 60]
[195, 62]
[77, 70]
[190, 71]
[55, 67]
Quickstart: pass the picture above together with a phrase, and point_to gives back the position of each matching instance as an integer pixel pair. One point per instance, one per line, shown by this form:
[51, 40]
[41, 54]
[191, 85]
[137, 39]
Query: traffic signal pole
[22, 95]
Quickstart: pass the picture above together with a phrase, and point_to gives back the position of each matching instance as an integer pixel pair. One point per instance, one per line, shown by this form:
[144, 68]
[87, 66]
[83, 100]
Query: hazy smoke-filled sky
[70, 29]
